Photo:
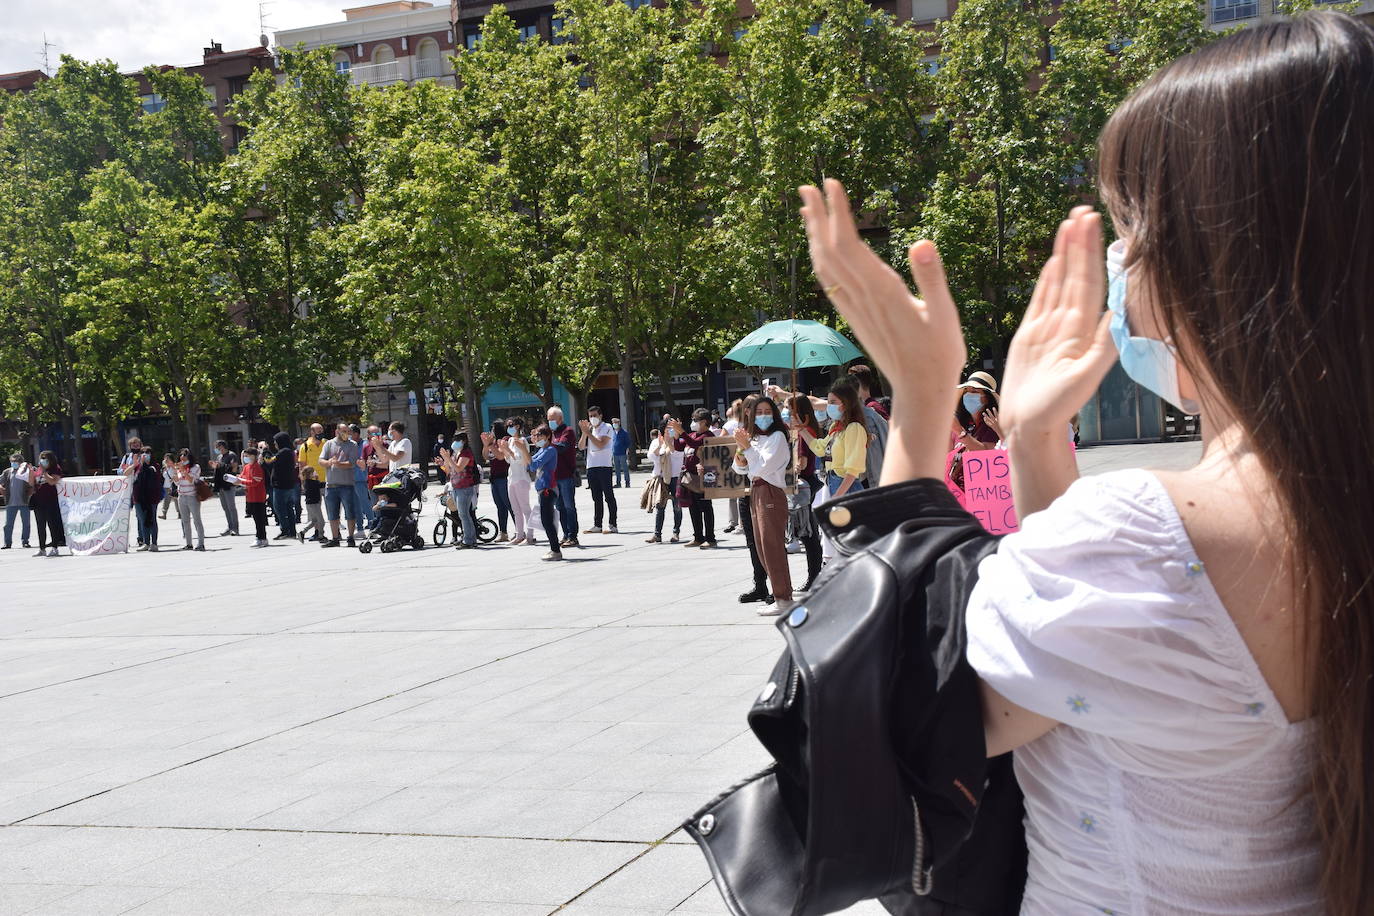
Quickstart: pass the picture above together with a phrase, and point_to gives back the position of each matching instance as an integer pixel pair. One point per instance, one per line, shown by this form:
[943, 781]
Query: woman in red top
[47, 514]
[254, 495]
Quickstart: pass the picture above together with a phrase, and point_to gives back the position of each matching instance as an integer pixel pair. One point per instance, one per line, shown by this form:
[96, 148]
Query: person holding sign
[690, 493]
[847, 440]
[764, 452]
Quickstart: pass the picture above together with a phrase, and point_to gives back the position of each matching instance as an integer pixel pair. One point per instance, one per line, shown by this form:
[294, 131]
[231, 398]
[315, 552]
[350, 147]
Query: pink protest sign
[987, 490]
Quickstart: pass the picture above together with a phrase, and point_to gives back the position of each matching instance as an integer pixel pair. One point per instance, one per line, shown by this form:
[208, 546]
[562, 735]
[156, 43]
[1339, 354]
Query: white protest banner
[95, 514]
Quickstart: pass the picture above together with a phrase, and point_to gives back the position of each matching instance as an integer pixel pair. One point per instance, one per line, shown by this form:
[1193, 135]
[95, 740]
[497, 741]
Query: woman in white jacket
[764, 452]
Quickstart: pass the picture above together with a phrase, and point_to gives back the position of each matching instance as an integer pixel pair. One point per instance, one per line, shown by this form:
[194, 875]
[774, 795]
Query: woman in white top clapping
[515, 451]
[1181, 660]
[764, 452]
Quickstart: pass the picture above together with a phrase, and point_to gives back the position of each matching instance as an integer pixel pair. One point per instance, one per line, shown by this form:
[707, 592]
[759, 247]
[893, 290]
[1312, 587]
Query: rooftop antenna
[263, 24]
[47, 61]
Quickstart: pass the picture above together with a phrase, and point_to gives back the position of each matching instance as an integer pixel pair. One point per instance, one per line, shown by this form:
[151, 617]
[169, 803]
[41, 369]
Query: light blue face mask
[973, 403]
[511, 431]
[764, 420]
[1148, 362]
[787, 416]
[833, 411]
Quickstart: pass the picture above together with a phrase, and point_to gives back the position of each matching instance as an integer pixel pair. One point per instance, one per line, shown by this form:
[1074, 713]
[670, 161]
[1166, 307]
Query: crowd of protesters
[795, 450]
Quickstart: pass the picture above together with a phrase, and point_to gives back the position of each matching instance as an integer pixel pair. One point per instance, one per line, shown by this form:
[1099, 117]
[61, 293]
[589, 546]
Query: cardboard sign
[987, 490]
[95, 514]
[719, 479]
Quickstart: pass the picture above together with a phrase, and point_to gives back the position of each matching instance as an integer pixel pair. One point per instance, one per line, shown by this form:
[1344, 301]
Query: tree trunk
[74, 424]
[665, 388]
[26, 434]
[188, 415]
[473, 426]
[627, 394]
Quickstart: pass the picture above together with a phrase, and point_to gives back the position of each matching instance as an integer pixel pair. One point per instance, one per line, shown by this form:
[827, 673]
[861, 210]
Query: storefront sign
[95, 513]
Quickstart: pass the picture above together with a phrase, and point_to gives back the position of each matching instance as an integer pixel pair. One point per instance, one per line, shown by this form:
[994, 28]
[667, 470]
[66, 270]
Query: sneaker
[332, 542]
[709, 545]
[517, 540]
[730, 529]
[352, 543]
[42, 552]
[574, 543]
[152, 549]
[200, 547]
[52, 552]
[6, 547]
[503, 540]
[566, 542]
[460, 546]
[283, 536]
[611, 530]
[759, 593]
[593, 530]
[553, 555]
[674, 539]
[226, 533]
[301, 536]
[654, 540]
[260, 542]
[771, 610]
[794, 547]
[188, 547]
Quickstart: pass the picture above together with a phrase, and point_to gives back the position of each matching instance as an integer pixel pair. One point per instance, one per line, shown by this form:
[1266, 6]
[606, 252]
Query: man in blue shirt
[620, 453]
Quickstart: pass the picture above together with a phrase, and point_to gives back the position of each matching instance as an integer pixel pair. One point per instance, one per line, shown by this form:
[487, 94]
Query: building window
[472, 38]
[932, 65]
[638, 4]
[240, 134]
[529, 31]
[342, 64]
[1232, 10]
[558, 30]
[211, 97]
[152, 102]
[813, 29]
[237, 84]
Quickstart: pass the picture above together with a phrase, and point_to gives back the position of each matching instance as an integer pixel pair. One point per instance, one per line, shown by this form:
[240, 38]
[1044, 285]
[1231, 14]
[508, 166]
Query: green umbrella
[794, 343]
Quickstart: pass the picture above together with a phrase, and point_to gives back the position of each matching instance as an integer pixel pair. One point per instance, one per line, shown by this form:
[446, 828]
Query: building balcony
[376, 74]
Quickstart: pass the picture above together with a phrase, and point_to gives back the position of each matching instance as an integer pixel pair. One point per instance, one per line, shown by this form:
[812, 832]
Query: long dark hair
[1243, 175]
[806, 414]
[777, 427]
[848, 392]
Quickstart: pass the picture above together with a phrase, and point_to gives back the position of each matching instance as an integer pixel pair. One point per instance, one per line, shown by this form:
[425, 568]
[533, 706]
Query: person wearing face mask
[516, 453]
[689, 490]
[764, 452]
[564, 440]
[975, 414]
[147, 489]
[185, 475]
[799, 415]
[667, 464]
[846, 441]
[543, 464]
[338, 457]
[223, 463]
[440, 445]
[395, 448]
[744, 504]
[597, 437]
[366, 516]
[253, 481]
[169, 487]
[498, 476]
[15, 487]
[734, 419]
[47, 514]
[461, 466]
[620, 453]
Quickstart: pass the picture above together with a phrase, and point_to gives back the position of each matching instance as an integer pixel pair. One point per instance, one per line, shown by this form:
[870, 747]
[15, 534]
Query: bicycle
[486, 529]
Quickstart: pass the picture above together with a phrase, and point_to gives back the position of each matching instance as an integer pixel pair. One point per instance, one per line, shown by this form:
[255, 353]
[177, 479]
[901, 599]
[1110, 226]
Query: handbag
[691, 481]
[203, 491]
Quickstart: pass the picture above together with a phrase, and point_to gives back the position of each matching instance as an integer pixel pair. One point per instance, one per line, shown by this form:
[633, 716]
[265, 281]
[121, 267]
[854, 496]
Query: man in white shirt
[395, 448]
[597, 439]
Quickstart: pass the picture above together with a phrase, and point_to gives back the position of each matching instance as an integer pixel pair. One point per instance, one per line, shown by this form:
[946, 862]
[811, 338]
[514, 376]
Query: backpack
[877, 445]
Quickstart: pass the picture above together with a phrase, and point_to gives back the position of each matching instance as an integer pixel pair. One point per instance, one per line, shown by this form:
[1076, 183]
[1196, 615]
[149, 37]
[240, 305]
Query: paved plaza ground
[300, 731]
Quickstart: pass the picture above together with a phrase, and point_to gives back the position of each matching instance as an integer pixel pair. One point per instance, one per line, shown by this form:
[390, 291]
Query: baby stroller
[398, 499]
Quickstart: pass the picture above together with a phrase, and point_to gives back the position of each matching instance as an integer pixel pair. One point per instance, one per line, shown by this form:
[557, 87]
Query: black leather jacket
[881, 786]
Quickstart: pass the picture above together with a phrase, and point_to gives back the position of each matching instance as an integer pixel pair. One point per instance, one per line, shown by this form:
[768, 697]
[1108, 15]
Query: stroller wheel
[417, 542]
[440, 532]
[365, 547]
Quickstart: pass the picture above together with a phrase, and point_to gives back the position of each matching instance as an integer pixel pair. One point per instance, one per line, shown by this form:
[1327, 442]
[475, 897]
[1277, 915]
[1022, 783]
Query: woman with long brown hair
[799, 415]
[845, 444]
[1181, 660]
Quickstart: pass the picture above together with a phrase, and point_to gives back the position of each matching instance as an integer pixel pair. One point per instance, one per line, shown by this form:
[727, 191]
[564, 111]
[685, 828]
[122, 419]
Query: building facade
[400, 41]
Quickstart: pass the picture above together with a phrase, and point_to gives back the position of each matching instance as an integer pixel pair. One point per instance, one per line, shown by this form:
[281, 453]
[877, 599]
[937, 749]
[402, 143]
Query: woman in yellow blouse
[847, 439]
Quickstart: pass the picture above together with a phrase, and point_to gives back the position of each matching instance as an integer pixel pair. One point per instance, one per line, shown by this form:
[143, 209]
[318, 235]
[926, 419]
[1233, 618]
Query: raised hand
[1063, 348]
[742, 437]
[916, 343]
